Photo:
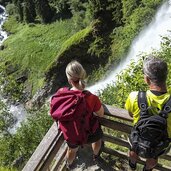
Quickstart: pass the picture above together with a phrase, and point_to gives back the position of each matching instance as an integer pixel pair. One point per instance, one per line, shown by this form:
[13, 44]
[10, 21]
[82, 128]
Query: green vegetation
[20, 146]
[33, 47]
[131, 79]
[7, 169]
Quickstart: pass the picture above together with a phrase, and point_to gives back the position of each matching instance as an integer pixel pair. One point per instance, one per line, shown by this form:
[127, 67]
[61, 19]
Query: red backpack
[75, 120]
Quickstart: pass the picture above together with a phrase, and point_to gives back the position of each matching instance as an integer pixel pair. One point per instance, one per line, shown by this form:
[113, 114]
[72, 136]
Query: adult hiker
[76, 110]
[151, 112]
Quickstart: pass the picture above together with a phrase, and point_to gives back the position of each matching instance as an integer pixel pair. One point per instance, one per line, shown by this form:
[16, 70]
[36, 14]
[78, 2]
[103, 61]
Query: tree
[107, 12]
[79, 9]
[19, 4]
[128, 8]
[62, 8]
[29, 11]
[5, 2]
[44, 11]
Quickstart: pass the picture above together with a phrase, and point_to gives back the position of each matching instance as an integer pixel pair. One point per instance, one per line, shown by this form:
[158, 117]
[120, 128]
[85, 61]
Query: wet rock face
[10, 68]
[39, 98]
[1, 10]
[2, 47]
[22, 78]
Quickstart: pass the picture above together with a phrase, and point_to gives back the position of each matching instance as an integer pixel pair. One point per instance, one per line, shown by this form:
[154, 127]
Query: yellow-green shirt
[154, 102]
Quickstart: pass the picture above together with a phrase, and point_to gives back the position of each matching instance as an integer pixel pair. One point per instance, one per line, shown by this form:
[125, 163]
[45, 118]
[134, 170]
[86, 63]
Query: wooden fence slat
[116, 140]
[125, 156]
[52, 153]
[42, 149]
[117, 112]
[60, 157]
[166, 157]
[115, 125]
[125, 143]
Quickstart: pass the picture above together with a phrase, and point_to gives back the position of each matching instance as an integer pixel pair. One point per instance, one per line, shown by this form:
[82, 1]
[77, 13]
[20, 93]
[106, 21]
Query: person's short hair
[155, 69]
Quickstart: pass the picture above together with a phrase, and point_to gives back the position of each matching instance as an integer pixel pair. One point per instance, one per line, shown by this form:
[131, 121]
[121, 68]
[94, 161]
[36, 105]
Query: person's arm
[100, 112]
[131, 102]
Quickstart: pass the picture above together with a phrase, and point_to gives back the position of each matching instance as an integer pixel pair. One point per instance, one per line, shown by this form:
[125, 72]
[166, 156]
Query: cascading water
[3, 16]
[18, 111]
[148, 39]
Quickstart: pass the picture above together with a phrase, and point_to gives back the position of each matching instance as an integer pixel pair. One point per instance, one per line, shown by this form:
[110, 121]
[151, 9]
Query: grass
[6, 169]
[37, 45]
[76, 39]
[34, 47]
[73, 41]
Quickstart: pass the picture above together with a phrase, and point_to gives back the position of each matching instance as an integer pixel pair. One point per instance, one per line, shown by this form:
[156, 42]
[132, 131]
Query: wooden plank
[166, 157]
[117, 112]
[115, 153]
[125, 143]
[115, 125]
[123, 155]
[60, 157]
[42, 149]
[115, 140]
[52, 152]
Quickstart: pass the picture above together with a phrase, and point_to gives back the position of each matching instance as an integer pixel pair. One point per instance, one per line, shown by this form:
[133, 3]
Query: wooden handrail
[49, 148]
[45, 146]
[116, 112]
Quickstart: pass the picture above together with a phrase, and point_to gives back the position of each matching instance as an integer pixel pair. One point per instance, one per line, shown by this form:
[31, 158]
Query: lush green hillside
[31, 48]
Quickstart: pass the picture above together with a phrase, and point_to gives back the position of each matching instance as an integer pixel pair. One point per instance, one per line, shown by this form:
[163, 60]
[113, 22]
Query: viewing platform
[50, 153]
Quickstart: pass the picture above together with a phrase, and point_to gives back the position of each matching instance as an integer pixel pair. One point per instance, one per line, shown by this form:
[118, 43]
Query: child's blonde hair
[76, 72]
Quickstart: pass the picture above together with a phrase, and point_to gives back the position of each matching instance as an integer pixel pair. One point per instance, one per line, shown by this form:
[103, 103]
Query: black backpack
[149, 137]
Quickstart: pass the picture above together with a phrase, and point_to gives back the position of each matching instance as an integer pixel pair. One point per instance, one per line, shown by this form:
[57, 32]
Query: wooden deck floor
[84, 162]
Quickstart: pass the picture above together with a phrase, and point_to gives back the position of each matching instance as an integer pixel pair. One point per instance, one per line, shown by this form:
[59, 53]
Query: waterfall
[3, 16]
[18, 111]
[148, 40]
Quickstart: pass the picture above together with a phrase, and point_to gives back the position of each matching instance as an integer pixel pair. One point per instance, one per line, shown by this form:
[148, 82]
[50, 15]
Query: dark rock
[1, 37]
[22, 78]
[17, 162]
[1, 10]
[39, 98]
[10, 68]
[2, 47]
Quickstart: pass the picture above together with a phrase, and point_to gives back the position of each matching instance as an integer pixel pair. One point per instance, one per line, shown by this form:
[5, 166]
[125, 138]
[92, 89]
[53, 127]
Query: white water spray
[149, 39]
[18, 111]
[3, 34]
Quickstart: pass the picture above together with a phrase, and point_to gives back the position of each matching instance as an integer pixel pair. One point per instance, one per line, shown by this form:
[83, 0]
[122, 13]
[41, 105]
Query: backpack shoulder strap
[166, 108]
[142, 102]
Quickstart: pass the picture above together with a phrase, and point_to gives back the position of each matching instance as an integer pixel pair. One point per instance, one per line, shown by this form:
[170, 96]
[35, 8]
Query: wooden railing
[50, 153]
